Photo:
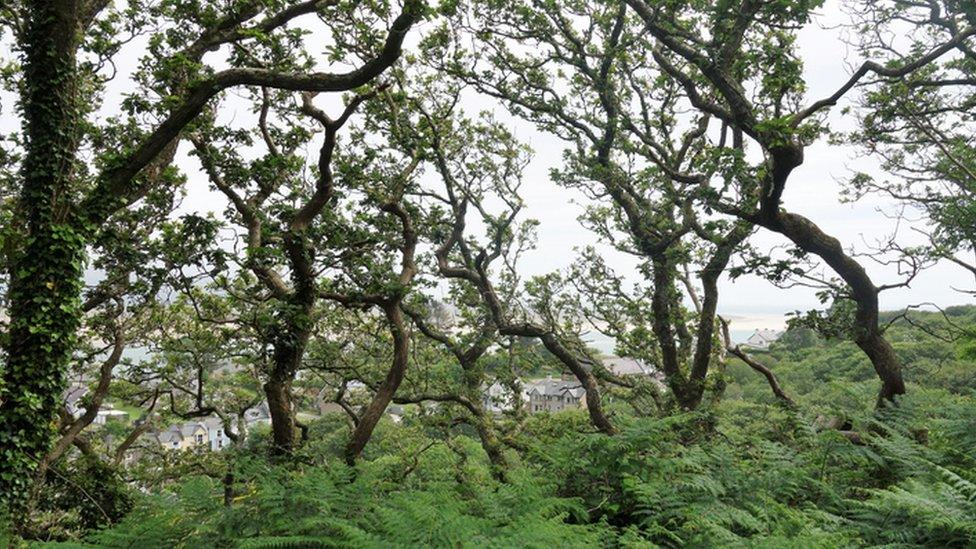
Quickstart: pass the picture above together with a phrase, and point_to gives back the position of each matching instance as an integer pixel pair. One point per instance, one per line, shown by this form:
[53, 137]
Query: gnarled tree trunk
[867, 334]
[283, 427]
[491, 445]
[45, 273]
[384, 394]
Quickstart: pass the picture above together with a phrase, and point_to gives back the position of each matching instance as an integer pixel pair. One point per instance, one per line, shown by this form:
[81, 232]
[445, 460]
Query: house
[76, 393]
[183, 437]
[496, 398]
[72, 399]
[171, 439]
[216, 436]
[762, 339]
[207, 434]
[259, 414]
[626, 366]
[192, 435]
[537, 395]
[554, 395]
[108, 413]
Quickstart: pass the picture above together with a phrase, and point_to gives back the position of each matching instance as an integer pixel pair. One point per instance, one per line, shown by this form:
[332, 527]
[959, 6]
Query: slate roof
[625, 366]
[73, 395]
[763, 337]
[167, 437]
[554, 387]
[178, 433]
[189, 429]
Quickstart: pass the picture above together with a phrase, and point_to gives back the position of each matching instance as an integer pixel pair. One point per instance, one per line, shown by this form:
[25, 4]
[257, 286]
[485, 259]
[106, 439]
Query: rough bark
[283, 428]
[228, 482]
[391, 305]
[45, 273]
[663, 299]
[492, 446]
[707, 307]
[384, 393]
[289, 345]
[867, 333]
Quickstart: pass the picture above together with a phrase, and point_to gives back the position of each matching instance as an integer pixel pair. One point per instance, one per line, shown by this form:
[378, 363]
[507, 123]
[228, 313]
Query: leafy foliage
[739, 474]
[313, 291]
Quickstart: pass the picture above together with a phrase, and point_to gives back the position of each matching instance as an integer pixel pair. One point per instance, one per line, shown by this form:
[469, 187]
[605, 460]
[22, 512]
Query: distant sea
[605, 344]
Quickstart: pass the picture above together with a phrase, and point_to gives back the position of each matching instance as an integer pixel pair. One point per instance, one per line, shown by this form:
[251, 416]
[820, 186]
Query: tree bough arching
[59, 210]
[270, 281]
[710, 75]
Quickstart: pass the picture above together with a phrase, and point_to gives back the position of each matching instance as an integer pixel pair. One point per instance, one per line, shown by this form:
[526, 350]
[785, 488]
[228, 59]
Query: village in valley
[548, 394]
[469, 273]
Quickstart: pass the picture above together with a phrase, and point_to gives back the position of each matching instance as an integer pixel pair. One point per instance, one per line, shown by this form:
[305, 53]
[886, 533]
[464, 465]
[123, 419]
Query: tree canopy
[269, 274]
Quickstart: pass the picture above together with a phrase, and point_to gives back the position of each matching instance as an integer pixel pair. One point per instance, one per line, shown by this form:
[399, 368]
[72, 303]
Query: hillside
[745, 471]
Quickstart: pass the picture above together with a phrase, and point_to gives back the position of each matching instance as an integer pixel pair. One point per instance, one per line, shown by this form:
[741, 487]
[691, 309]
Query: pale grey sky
[813, 191]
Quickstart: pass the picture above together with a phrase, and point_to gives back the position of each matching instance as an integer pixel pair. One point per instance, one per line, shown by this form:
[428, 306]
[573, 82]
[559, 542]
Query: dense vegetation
[742, 472]
[263, 274]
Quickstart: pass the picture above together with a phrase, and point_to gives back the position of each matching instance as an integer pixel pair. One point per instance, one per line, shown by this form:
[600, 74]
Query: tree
[587, 80]
[920, 125]
[136, 268]
[68, 47]
[294, 242]
[715, 74]
[466, 184]
[135, 255]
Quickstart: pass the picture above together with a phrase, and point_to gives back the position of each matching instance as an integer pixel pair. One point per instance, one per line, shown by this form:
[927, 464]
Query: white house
[554, 395]
[496, 398]
[762, 339]
[108, 413]
[207, 434]
[216, 436]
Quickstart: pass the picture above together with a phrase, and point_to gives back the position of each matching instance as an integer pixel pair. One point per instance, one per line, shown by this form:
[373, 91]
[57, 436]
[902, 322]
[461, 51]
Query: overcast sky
[813, 191]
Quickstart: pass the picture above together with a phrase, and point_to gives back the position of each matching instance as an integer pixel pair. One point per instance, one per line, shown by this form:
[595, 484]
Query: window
[199, 439]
